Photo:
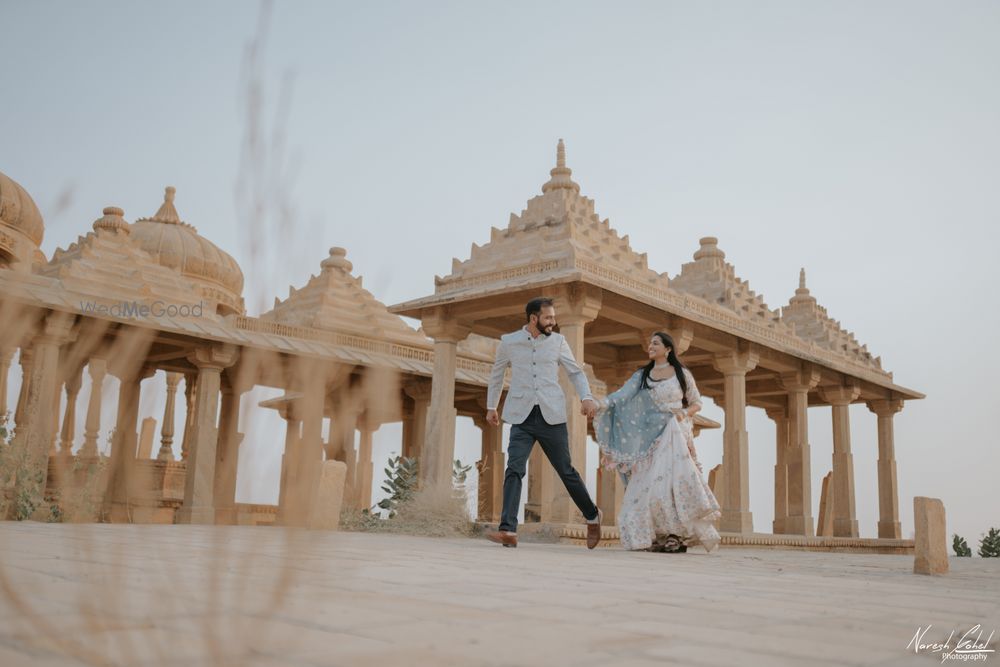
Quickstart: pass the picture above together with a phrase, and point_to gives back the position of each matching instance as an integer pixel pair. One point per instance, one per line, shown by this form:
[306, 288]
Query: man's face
[546, 320]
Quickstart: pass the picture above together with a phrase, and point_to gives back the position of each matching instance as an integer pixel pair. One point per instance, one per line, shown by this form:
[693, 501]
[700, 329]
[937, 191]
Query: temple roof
[335, 300]
[109, 265]
[810, 321]
[176, 244]
[559, 238]
[712, 278]
[18, 210]
[557, 231]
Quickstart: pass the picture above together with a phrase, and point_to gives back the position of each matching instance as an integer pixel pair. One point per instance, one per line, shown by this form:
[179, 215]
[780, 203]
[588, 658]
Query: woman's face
[656, 348]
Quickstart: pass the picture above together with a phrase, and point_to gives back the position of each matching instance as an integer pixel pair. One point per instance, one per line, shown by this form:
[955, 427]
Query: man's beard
[547, 330]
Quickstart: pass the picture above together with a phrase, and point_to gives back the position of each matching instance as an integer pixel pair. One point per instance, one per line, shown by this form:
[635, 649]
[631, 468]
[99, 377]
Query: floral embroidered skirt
[667, 495]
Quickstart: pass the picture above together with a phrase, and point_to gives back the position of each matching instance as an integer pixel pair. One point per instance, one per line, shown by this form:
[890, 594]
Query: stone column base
[845, 527]
[889, 530]
[800, 525]
[736, 521]
[196, 515]
[226, 516]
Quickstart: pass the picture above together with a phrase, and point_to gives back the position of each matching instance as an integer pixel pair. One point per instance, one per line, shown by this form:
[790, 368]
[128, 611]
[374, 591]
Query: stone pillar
[491, 471]
[575, 305]
[541, 485]
[415, 425]
[54, 445]
[930, 537]
[97, 369]
[781, 421]
[713, 479]
[166, 452]
[888, 491]
[610, 487]
[845, 520]
[34, 431]
[798, 384]
[329, 497]
[304, 468]
[736, 516]
[407, 438]
[227, 455]
[199, 480]
[6, 354]
[24, 360]
[189, 393]
[824, 522]
[69, 418]
[610, 491]
[146, 432]
[121, 482]
[342, 432]
[439, 440]
[293, 434]
[365, 470]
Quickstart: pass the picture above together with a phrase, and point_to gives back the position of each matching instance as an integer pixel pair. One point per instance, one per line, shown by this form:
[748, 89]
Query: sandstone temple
[132, 299]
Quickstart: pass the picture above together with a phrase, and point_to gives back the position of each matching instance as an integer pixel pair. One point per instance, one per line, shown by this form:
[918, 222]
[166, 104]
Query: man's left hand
[589, 408]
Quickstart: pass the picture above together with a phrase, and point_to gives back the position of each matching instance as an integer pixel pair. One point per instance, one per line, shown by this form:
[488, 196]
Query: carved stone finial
[561, 174]
[709, 248]
[337, 260]
[802, 294]
[113, 220]
[167, 213]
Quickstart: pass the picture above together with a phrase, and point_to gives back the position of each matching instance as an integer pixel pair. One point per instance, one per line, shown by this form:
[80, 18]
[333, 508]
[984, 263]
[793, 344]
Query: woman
[644, 431]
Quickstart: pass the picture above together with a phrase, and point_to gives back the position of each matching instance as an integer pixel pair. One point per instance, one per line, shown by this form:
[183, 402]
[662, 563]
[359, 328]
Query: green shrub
[960, 546]
[989, 545]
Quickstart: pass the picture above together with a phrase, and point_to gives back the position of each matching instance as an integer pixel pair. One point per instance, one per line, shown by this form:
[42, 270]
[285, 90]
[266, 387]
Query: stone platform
[860, 545]
[243, 595]
[577, 534]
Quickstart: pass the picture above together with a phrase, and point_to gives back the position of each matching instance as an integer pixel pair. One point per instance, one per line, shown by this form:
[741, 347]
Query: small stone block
[930, 544]
[325, 514]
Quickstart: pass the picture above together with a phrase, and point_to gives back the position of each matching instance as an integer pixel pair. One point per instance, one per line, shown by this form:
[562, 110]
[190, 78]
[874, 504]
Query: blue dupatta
[628, 425]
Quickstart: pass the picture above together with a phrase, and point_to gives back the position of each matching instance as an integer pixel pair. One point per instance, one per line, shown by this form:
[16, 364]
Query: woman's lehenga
[666, 493]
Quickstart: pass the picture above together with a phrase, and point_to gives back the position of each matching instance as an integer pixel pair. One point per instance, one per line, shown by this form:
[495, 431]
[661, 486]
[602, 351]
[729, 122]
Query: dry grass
[434, 511]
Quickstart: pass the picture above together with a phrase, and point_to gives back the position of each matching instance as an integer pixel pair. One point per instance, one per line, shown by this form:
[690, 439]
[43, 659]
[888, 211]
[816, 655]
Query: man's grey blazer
[534, 377]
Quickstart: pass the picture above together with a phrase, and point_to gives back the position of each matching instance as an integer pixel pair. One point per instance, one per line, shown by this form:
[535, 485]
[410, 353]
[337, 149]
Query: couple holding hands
[644, 432]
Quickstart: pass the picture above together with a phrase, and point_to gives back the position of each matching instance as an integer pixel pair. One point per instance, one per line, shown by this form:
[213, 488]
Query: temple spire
[561, 173]
[167, 212]
[802, 294]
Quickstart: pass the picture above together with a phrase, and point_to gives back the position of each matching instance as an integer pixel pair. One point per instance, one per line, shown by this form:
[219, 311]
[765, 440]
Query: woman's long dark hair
[672, 359]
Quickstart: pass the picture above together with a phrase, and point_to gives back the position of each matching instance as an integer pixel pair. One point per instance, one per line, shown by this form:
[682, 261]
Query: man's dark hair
[535, 306]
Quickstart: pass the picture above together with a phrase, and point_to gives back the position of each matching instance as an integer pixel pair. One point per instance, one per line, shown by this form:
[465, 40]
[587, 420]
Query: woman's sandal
[674, 544]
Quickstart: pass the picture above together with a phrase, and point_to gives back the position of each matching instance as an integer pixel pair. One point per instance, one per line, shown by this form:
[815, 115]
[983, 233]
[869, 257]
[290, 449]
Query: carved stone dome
[21, 225]
[176, 244]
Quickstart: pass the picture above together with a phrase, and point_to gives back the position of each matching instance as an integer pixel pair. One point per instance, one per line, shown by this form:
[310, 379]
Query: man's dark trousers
[554, 439]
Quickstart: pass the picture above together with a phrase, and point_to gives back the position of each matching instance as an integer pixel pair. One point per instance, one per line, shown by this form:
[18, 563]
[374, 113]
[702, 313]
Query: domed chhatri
[21, 226]
[176, 244]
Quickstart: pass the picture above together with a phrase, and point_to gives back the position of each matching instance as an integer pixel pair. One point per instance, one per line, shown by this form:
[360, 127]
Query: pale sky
[856, 139]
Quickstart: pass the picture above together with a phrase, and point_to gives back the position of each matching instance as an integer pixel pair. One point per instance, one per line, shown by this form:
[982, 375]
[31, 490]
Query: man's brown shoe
[503, 537]
[594, 531]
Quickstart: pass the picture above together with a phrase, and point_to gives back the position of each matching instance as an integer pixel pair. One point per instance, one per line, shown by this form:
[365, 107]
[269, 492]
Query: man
[536, 410]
